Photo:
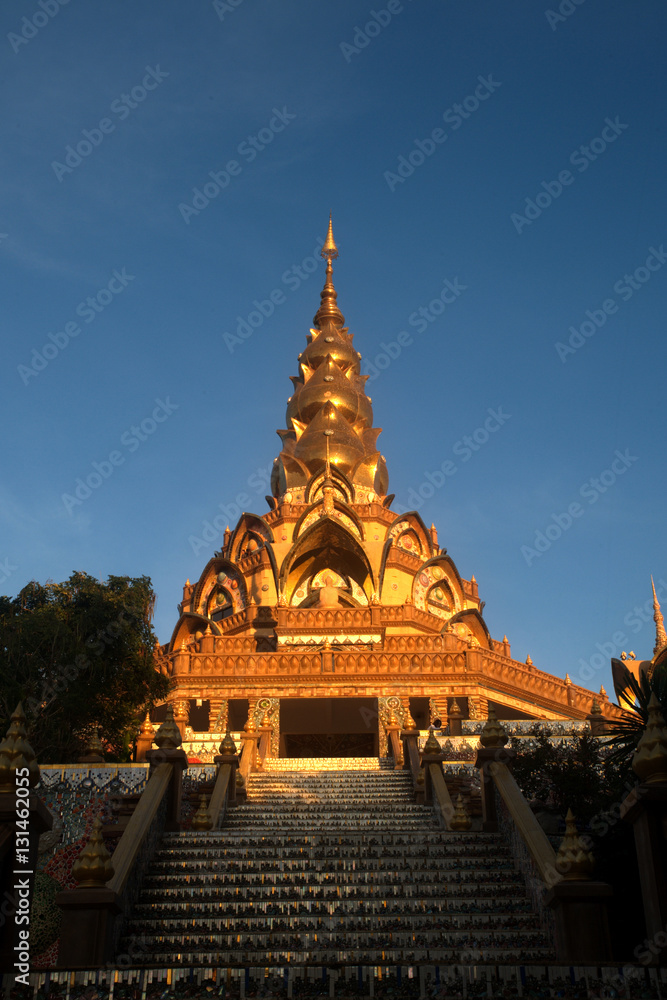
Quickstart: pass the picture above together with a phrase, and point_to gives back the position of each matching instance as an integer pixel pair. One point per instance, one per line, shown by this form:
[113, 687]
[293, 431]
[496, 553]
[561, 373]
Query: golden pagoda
[331, 611]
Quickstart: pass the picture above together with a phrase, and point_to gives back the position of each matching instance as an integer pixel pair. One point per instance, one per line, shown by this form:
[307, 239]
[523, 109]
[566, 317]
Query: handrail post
[393, 730]
[410, 738]
[485, 757]
[250, 742]
[179, 761]
[264, 748]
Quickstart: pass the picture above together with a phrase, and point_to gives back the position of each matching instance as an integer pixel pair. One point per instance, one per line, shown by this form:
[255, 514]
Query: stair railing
[435, 786]
[578, 923]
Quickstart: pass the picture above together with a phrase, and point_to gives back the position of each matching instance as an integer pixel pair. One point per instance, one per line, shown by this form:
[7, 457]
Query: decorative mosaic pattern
[351, 981]
[521, 727]
[75, 796]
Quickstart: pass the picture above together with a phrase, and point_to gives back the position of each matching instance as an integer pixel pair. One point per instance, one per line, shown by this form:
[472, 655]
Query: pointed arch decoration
[326, 543]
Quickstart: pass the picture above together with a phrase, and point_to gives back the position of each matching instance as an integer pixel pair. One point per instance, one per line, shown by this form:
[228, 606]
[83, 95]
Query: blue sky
[534, 234]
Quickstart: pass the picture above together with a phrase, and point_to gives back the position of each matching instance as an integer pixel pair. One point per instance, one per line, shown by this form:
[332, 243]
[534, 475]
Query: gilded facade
[331, 611]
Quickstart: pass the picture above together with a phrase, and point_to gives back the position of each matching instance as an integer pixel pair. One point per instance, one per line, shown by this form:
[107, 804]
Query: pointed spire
[328, 308]
[573, 860]
[93, 866]
[329, 250]
[16, 753]
[660, 634]
[201, 819]
[460, 820]
[493, 734]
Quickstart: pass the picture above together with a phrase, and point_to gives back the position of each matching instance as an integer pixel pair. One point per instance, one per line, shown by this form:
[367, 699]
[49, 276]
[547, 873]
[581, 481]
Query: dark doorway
[328, 727]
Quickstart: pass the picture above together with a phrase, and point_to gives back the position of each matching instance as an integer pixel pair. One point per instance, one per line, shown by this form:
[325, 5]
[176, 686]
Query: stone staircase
[325, 866]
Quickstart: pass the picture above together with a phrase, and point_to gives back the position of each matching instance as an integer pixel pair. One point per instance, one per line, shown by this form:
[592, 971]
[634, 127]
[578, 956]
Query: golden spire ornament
[660, 634]
[228, 746]
[328, 306]
[168, 736]
[93, 866]
[460, 820]
[201, 819]
[493, 734]
[16, 753]
[573, 860]
[431, 745]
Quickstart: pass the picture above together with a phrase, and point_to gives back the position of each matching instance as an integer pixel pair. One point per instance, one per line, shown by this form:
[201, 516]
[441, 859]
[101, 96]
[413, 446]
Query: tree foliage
[576, 773]
[79, 654]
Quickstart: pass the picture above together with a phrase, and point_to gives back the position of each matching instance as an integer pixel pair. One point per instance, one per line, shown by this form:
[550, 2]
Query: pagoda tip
[330, 250]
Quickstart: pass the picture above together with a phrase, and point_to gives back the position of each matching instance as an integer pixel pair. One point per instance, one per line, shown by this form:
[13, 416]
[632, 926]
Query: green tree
[577, 773]
[79, 654]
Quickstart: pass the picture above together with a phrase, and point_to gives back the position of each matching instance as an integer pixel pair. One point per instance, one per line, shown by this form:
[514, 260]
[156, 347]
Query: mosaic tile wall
[75, 796]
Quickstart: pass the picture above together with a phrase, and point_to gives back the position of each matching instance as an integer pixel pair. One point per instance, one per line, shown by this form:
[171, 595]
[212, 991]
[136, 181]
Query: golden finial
[460, 820]
[529, 661]
[602, 691]
[201, 819]
[431, 745]
[493, 734]
[329, 250]
[568, 679]
[421, 777]
[228, 746]
[408, 721]
[595, 707]
[266, 721]
[650, 760]
[93, 866]
[16, 753]
[392, 720]
[94, 748]
[328, 308]
[573, 860]
[240, 780]
[455, 709]
[147, 728]
[660, 634]
[250, 724]
[168, 736]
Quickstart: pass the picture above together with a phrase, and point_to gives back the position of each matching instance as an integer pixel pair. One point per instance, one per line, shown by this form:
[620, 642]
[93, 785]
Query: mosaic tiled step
[282, 764]
[319, 865]
[418, 953]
